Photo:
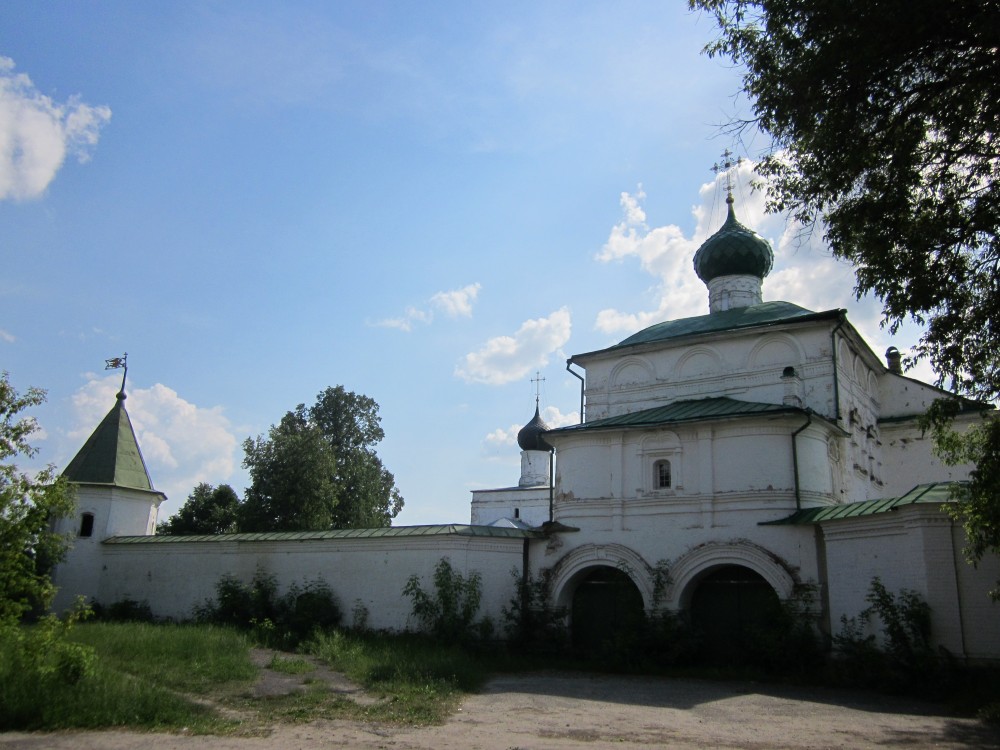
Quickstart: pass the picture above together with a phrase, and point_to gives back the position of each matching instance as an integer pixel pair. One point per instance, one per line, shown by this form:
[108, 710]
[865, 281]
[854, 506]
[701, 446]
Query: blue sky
[426, 203]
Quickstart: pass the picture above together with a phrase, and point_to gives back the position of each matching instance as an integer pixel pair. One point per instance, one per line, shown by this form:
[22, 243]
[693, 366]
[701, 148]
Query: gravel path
[558, 711]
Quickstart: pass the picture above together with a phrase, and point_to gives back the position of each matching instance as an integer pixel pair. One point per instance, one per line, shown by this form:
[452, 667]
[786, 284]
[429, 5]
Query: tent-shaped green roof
[111, 454]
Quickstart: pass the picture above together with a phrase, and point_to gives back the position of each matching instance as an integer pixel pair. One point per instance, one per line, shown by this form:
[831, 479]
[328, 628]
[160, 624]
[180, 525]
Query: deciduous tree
[318, 469]
[28, 503]
[208, 510]
[292, 474]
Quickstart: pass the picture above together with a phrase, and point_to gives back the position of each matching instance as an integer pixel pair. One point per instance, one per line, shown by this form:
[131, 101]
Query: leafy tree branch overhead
[883, 119]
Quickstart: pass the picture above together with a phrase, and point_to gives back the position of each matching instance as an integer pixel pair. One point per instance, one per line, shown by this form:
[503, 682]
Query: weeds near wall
[38, 662]
[904, 658]
[530, 622]
[449, 612]
[274, 621]
[123, 610]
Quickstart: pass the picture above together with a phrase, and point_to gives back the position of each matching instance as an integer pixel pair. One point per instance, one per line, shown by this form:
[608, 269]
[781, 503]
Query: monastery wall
[918, 548]
[174, 577]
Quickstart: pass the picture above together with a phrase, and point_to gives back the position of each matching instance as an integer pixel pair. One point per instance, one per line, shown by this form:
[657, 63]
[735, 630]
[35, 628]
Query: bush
[124, 610]
[274, 621]
[448, 614]
[905, 659]
[530, 622]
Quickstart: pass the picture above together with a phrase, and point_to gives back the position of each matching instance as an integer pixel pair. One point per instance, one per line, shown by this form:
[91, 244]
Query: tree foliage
[884, 119]
[208, 510]
[28, 548]
[292, 473]
[318, 469]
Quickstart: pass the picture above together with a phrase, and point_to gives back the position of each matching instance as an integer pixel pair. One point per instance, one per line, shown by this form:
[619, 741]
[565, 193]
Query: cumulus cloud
[37, 133]
[507, 358]
[455, 303]
[663, 252]
[182, 443]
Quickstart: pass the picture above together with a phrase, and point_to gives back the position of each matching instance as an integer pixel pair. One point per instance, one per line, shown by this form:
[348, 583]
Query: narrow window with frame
[87, 524]
[661, 475]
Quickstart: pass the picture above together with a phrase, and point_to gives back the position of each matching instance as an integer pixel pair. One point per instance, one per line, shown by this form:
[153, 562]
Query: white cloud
[457, 302]
[36, 134]
[405, 323]
[501, 437]
[182, 443]
[454, 303]
[6, 336]
[507, 358]
[555, 418]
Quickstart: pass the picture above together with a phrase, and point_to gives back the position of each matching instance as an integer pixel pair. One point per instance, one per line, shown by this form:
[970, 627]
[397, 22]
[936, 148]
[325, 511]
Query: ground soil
[554, 711]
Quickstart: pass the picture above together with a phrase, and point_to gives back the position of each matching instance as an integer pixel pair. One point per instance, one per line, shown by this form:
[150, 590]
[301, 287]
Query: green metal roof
[765, 314]
[111, 454]
[681, 411]
[936, 493]
[495, 532]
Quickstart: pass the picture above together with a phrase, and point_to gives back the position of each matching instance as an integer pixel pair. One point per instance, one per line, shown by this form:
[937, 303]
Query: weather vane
[118, 363]
[537, 380]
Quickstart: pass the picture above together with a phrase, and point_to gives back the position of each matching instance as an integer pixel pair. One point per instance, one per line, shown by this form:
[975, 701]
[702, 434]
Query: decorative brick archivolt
[685, 572]
[570, 569]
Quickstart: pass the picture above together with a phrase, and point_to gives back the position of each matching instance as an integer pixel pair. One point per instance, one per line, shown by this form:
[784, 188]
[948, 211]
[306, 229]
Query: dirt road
[558, 711]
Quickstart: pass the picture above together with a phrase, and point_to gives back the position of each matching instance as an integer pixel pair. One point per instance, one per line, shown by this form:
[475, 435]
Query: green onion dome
[733, 250]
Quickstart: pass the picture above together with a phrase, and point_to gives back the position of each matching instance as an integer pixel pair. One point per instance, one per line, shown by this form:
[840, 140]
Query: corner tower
[114, 497]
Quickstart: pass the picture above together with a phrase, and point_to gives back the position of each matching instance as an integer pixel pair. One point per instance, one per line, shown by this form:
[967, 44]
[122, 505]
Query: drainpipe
[836, 380]
[958, 588]
[582, 383]
[525, 594]
[795, 459]
[552, 483]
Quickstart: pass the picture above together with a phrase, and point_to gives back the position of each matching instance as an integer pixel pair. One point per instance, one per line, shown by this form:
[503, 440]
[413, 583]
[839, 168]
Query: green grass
[143, 678]
[419, 681]
[193, 659]
[286, 665]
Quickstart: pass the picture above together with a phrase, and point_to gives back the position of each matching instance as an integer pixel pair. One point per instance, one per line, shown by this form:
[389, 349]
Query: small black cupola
[530, 436]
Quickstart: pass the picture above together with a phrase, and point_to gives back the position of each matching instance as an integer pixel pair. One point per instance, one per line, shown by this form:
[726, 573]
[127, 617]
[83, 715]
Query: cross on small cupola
[530, 436]
[734, 261]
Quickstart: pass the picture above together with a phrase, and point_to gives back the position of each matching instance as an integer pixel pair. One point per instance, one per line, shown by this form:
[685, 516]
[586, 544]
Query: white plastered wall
[175, 577]
[919, 548]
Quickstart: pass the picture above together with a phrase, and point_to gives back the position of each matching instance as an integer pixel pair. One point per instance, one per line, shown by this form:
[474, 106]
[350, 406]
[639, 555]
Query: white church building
[759, 452]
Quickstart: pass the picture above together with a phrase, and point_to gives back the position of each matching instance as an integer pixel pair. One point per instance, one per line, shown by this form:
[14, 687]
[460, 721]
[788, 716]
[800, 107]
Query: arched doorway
[732, 609]
[607, 612]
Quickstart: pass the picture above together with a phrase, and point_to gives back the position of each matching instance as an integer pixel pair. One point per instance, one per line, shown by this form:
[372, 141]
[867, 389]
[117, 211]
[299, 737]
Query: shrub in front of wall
[448, 613]
[276, 621]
